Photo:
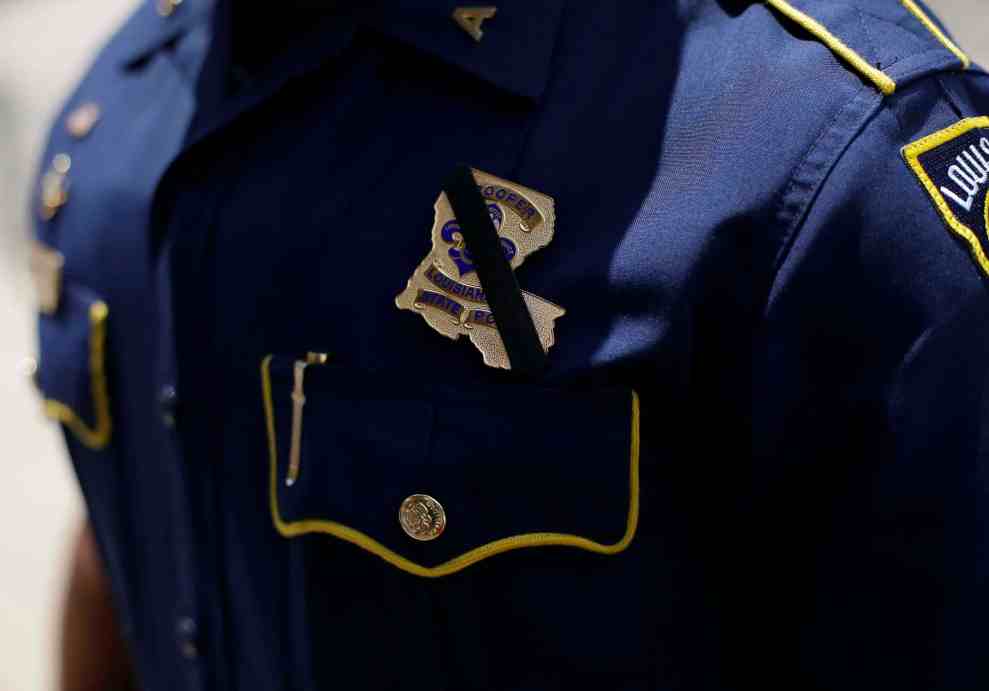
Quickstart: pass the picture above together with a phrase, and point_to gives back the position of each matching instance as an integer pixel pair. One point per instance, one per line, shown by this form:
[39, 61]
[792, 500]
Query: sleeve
[870, 402]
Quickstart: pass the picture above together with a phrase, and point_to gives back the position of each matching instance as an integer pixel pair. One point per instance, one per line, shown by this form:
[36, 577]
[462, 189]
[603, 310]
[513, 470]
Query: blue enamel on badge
[445, 289]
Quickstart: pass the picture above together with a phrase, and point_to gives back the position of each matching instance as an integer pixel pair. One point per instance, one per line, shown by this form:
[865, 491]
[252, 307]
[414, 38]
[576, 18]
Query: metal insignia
[422, 517]
[470, 19]
[445, 289]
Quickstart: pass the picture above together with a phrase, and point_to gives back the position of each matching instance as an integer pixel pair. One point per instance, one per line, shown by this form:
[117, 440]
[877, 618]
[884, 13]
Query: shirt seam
[794, 204]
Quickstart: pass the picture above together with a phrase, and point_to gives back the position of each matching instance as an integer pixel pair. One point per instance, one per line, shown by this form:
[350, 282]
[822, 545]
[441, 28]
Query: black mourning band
[511, 315]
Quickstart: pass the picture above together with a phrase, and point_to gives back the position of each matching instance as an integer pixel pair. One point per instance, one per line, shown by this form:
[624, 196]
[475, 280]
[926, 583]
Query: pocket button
[422, 517]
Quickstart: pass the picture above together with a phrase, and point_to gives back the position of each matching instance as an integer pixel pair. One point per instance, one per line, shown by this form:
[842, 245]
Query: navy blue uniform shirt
[757, 453]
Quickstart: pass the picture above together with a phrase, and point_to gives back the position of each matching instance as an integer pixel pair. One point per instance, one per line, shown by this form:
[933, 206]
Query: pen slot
[298, 405]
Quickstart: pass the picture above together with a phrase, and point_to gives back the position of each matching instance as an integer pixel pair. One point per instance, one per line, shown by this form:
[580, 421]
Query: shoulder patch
[953, 166]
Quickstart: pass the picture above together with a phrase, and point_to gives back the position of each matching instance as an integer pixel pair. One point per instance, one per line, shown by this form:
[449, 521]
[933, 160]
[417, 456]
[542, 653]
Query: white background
[44, 47]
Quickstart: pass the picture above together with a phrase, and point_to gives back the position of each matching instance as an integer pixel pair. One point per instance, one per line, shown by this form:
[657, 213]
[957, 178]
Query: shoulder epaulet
[887, 42]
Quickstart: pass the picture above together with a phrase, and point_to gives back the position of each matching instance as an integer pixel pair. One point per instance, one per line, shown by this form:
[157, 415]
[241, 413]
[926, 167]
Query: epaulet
[887, 42]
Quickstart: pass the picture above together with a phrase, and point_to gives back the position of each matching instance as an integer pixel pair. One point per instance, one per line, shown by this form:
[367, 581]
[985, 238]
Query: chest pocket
[72, 365]
[476, 472]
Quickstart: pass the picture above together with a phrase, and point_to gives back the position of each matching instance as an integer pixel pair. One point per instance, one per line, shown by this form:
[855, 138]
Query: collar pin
[470, 19]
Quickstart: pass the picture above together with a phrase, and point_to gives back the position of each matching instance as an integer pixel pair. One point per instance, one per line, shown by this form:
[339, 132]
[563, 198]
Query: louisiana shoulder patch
[953, 166]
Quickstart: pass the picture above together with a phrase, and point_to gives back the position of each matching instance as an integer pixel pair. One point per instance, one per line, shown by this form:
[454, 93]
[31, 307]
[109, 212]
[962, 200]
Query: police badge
[445, 289]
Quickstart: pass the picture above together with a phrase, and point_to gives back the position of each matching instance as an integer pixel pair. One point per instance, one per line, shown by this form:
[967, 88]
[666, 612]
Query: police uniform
[755, 258]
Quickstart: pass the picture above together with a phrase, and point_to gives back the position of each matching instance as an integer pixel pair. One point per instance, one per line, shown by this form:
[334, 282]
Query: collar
[515, 53]
[157, 23]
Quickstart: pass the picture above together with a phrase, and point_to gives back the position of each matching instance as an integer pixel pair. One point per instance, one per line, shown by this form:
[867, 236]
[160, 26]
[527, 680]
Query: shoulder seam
[798, 197]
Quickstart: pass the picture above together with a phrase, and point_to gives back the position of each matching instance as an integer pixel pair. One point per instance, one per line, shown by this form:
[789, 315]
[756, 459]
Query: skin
[93, 656]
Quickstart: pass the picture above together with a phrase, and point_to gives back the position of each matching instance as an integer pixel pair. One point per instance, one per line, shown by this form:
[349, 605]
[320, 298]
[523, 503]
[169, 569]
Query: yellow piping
[938, 34]
[912, 154]
[837, 46]
[96, 436]
[296, 528]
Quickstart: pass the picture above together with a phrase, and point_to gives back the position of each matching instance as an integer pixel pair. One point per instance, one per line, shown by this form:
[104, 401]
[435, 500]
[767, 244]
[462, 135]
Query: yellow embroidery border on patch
[912, 153]
[290, 529]
[97, 435]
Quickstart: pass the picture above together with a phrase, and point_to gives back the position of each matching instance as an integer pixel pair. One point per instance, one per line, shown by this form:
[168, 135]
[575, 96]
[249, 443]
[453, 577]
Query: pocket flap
[72, 365]
[512, 466]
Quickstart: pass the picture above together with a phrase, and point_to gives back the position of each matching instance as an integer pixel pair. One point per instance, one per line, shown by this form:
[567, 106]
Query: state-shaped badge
[445, 289]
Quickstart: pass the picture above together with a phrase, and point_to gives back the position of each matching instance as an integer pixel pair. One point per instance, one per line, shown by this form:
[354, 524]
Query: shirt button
[168, 400]
[28, 368]
[422, 517]
[55, 186]
[186, 630]
[83, 119]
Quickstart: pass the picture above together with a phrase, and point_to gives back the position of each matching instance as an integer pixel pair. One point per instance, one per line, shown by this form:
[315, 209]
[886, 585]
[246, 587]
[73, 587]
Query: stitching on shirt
[869, 101]
[781, 204]
[869, 39]
[949, 96]
[908, 26]
[894, 112]
[919, 65]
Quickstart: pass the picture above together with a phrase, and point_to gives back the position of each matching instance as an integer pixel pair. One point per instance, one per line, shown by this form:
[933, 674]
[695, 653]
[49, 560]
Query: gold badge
[46, 269]
[445, 289]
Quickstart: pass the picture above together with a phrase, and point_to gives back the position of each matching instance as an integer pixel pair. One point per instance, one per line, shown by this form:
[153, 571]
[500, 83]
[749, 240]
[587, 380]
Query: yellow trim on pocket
[914, 8]
[97, 436]
[290, 529]
[912, 154]
[837, 46]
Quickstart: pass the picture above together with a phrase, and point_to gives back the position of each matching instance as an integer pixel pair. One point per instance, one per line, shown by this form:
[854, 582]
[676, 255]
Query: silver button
[168, 401]
[62, 163]
[185, 629]
[27, 367]
[422, 517]
[55, 186]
